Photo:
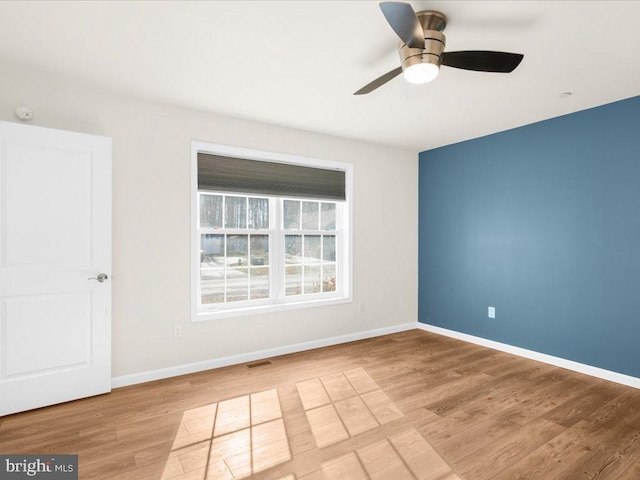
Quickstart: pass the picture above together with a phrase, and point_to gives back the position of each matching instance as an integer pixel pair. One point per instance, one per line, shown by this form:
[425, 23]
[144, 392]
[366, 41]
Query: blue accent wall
[543, 223]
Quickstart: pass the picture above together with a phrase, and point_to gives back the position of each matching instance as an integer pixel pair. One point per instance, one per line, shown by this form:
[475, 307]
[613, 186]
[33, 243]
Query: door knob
[102, 277]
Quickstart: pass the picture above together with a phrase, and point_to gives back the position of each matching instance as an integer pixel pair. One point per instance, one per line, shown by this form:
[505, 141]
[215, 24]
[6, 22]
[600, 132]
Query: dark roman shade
[240, 175]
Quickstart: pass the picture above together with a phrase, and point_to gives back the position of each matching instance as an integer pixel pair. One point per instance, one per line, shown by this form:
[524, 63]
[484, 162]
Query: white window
[311, 234]
[234, 248]
[257, 252]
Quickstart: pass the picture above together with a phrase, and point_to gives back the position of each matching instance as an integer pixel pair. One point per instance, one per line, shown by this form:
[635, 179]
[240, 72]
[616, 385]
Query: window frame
[344, 266]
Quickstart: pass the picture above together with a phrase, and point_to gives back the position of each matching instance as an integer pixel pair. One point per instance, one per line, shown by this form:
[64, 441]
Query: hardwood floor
[412, 405]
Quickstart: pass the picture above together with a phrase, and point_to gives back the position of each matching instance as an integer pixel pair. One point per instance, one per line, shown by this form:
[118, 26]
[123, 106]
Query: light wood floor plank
[412, 405]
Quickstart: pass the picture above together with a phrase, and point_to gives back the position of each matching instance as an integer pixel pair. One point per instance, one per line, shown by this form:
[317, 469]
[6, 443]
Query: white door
[55, 219]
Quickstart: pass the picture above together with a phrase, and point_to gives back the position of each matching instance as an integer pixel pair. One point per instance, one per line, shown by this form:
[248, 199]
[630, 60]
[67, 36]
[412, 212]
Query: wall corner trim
[540, 357]
[148, 376]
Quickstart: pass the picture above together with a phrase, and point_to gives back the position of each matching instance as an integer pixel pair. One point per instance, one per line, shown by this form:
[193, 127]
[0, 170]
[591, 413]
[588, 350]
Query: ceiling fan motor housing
[432, 53]
[433, 23]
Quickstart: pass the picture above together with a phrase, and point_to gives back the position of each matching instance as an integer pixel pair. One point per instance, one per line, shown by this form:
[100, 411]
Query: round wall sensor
[24, 113]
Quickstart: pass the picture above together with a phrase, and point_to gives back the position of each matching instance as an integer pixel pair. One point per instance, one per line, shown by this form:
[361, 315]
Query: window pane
[312, 249]
[235, 263]
[291, 215]
[237, 250]
[293, 249]
[259, 249]
[211, 250]
[310, 215]
[212, 285]
[293, 280]
[235, 212]
[237, 284]
[328, 217]
[328, 278]
[329, 248]
[210, 211]
[258, 213]
[311, 278]
[259, 280]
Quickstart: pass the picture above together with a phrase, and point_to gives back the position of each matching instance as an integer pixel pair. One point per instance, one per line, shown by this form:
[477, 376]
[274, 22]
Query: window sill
[227, 312]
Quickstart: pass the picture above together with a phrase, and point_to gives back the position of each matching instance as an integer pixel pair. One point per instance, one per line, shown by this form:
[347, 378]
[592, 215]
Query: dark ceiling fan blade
[378, 82]
[482, 61]
[404, 22]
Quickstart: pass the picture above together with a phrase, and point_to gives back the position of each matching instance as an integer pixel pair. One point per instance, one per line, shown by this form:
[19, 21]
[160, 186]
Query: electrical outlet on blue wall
[491, 312]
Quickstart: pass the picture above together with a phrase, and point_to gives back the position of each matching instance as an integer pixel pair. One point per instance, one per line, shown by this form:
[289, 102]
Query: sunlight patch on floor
[246, 436]
[343, 405]
[407, 456]
[231, 439]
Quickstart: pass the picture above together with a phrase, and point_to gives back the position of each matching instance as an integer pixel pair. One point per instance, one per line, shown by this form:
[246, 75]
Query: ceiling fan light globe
[421, 72]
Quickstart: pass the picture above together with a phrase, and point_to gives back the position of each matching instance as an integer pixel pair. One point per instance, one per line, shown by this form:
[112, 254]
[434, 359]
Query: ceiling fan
[422, 48]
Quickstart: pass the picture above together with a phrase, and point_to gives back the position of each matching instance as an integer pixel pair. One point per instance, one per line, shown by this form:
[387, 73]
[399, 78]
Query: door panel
[63, 333]
[48, 192]
[55, 213]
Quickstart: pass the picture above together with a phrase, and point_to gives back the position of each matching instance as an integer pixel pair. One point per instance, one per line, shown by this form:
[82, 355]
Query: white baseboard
[151, 375]
[540, 357]
[168, 372]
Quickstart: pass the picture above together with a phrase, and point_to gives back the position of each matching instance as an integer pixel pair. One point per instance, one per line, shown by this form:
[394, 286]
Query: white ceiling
[298, 63]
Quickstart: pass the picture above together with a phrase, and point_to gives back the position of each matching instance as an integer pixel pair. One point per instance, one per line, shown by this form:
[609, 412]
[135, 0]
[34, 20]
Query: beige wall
[151, 222]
